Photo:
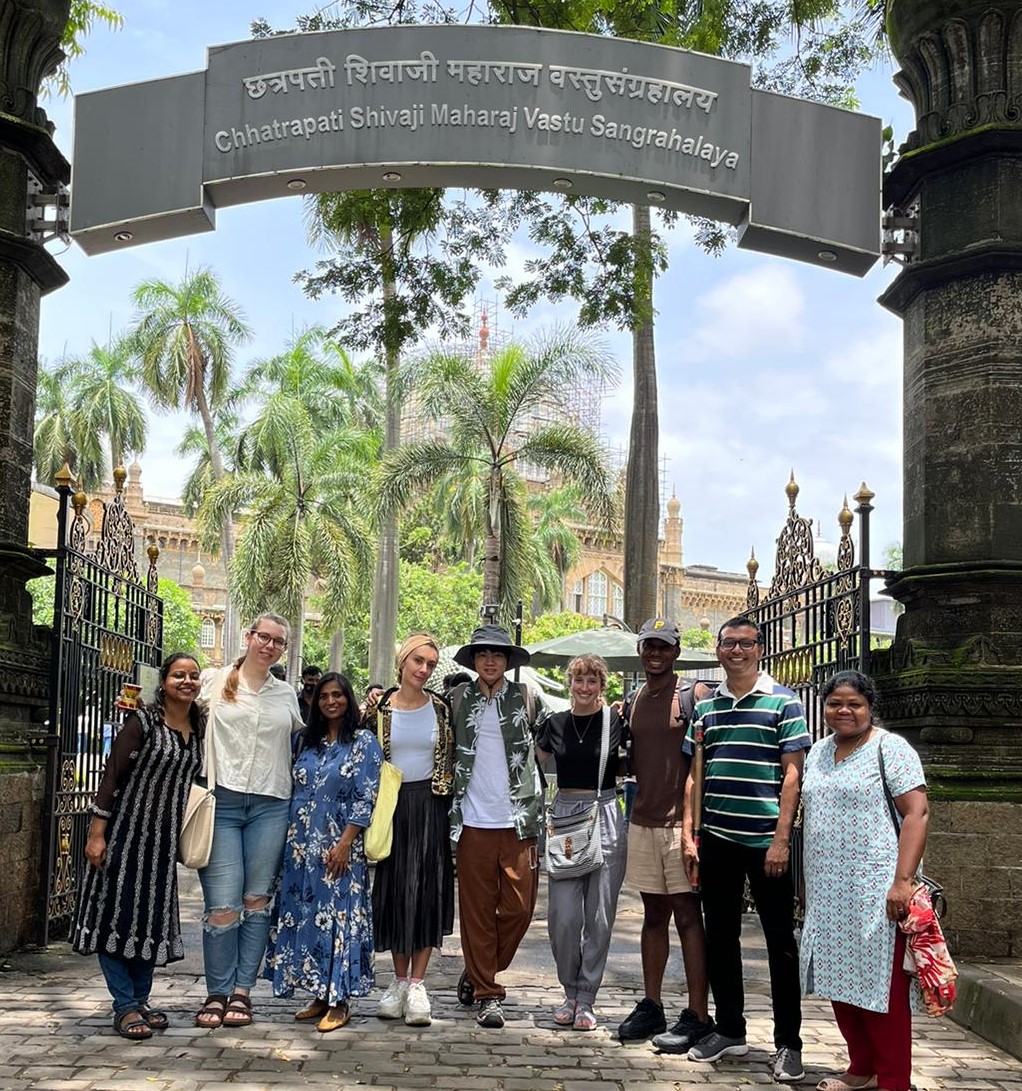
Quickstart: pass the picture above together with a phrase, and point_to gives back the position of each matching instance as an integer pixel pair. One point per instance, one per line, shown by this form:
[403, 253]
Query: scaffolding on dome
[578, 405]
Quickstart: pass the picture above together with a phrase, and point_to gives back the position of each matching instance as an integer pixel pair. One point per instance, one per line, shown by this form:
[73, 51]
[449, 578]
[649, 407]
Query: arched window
[617, 600]
[577, 597]
[207, 634]
[596, 594]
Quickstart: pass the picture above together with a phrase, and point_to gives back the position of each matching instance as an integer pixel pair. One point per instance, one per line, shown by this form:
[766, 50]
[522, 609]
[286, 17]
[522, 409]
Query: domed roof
[826, 552]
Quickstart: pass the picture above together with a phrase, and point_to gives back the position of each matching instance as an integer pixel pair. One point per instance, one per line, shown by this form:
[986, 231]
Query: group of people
[719, 774]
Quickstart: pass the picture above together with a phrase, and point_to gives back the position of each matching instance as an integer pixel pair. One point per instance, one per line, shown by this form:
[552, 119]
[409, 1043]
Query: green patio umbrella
[616, 647]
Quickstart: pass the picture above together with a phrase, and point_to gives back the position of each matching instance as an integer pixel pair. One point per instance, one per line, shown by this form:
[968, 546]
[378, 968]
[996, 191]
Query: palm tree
[554, 545]
[101, 389]
[317, 371]
[382, 227]
[185, 336]
[59, 436]
[494, 415]
[299, 494]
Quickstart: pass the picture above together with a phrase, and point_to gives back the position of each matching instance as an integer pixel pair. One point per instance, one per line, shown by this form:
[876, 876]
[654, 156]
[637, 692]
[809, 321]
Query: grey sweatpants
[580, 912]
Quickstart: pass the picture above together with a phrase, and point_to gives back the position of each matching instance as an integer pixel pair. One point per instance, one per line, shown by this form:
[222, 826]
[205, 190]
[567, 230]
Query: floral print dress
[322, 941]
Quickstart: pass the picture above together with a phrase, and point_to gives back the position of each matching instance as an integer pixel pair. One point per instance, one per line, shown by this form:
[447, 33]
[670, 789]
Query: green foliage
[810, 48]
[185, 337]
[444, 603]
[697, 638]
[488, 419]
[181, 624]
[42, 592]
[548, 626]
[60, 435]
[315, 647]
[81, 19]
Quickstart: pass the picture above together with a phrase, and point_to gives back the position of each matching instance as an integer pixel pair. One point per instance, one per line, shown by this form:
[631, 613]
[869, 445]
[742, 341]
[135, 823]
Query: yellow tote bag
[380, 834]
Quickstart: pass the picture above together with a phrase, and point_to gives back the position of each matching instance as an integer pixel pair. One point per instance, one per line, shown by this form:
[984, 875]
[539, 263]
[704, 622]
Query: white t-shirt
[252, 735]
[413, 740]
[487, 803]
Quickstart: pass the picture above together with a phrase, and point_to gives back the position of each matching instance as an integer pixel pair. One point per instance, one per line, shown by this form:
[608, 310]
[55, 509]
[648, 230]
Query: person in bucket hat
[496, 814]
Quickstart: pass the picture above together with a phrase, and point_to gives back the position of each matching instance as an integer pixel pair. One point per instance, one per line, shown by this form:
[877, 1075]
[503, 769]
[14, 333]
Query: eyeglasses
[730, 642]
[265, 639]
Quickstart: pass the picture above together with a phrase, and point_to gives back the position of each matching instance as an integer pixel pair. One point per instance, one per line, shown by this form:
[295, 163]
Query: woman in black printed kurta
[128, 910]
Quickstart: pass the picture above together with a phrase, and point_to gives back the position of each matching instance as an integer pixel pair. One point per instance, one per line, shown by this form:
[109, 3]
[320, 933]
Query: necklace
[858, 742]
[580, 735]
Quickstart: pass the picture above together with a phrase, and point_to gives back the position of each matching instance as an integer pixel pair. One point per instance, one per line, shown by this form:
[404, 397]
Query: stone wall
[975, 849]
[21, 806]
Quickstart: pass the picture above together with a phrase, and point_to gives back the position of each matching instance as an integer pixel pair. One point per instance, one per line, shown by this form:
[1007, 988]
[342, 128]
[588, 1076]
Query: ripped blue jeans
[248, 844]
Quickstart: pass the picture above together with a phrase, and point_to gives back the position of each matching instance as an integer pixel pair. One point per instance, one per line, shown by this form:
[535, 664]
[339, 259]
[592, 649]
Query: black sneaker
[491, 1013]
[684, 1034]
[647, 1019]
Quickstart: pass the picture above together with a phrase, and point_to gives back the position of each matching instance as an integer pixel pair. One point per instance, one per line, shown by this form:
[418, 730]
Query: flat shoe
[838, 1083]
[239, 1011]
[564, 1016]
[334, 1019]
[313, 1011]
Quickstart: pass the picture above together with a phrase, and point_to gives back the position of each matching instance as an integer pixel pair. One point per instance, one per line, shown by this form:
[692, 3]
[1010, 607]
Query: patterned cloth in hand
[927, 956]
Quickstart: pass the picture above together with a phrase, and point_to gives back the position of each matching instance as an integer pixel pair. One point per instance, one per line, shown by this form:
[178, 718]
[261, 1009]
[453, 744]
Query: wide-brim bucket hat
[497, 638]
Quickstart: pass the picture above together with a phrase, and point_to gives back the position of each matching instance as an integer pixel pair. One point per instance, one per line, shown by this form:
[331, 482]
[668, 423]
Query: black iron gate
[815, 621]
[108, 630]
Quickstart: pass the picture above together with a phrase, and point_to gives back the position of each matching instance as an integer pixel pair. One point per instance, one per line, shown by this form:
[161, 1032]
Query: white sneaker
[417, 1010]
[392, 1003]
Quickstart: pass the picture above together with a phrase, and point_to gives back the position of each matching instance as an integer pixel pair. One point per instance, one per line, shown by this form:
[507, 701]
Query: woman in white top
[251, 717]
[413, 890]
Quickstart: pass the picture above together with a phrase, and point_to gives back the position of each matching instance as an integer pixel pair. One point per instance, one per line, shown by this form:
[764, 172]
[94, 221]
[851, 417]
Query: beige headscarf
[409, 645]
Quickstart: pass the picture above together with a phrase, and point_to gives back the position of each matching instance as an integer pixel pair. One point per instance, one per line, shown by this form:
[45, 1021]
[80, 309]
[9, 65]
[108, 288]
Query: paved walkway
[55, 1034]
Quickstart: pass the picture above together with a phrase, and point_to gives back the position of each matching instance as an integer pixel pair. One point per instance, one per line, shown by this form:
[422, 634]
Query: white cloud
[758, 309]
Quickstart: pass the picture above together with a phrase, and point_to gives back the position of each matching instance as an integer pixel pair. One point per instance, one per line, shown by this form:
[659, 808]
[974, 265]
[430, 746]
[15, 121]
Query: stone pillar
[952, 681]
[30, 32]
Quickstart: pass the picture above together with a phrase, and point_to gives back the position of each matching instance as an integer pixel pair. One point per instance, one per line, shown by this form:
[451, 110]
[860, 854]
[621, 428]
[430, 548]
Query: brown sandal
[214, 1008]
[239, 1011]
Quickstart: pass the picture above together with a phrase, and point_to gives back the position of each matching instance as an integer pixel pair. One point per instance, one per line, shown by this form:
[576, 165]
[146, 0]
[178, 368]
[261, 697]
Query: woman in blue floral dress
[323, 940]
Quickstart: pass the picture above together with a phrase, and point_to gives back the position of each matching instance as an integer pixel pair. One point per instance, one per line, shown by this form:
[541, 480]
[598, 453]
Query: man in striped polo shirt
[755, 739]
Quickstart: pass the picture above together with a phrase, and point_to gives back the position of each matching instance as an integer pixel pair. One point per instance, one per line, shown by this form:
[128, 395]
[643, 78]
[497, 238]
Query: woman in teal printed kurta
[323, 940]
[858, 877]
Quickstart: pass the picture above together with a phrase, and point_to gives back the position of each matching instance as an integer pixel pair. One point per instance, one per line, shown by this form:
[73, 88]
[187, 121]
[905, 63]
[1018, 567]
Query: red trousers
[880, 1043]
[498, 880]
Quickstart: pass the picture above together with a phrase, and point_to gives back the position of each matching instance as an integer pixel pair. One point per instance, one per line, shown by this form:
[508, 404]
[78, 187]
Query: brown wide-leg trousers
[498, 879]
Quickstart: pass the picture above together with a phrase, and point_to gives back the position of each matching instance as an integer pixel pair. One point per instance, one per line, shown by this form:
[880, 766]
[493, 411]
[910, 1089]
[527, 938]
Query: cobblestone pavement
[55, 1034]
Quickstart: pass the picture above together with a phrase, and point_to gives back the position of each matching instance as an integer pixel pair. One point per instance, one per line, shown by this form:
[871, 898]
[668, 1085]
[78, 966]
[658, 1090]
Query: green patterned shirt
[469, 703]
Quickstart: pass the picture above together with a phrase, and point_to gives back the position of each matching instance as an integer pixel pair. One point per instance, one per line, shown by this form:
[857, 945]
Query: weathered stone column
[30, 32]
[953, 680]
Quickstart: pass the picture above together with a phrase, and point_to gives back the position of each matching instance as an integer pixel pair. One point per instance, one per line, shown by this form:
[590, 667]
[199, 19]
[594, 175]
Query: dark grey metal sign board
[496, 107]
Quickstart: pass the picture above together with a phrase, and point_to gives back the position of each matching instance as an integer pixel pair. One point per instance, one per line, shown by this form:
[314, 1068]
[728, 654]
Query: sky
[766, 366]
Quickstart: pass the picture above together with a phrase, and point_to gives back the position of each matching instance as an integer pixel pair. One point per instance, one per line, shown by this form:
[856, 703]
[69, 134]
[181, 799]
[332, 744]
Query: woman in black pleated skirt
[413, 889]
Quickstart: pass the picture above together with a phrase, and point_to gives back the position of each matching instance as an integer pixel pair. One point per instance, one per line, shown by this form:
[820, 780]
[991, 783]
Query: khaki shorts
[655, 864]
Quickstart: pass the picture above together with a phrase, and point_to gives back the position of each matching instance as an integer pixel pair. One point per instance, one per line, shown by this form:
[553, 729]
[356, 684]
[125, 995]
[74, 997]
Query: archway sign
[476, 106]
